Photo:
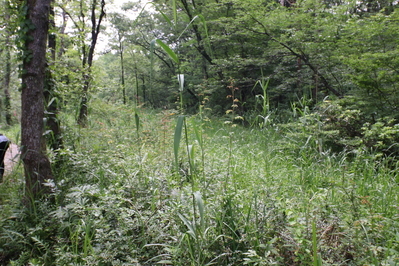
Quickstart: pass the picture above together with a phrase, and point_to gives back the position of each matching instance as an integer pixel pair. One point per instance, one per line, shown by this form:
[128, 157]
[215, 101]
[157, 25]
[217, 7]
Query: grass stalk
[176, 140]
[190, 157]
[316, 257]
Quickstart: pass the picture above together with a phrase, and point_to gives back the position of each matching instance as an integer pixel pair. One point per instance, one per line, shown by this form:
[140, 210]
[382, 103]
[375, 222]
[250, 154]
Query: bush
[344, 126]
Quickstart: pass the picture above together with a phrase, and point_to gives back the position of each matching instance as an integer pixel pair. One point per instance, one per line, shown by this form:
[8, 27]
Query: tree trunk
[6, 82]
[7, 71]
[36, 164]
[61, 33]
[83, 111]
[121, 50]
[144, 90]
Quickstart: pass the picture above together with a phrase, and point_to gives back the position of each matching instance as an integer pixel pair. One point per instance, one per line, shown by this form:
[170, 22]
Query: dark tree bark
[36, 164]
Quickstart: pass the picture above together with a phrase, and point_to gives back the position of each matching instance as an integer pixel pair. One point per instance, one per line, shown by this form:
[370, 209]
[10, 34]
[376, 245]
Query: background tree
[95, 31]
[8, 32]
[87, 19]
[120, 24]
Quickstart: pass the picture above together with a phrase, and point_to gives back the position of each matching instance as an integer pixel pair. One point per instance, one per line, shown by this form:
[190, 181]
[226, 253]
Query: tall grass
[262, 196]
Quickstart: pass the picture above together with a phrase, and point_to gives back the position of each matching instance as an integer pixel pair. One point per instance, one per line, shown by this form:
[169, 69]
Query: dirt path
[11, 158]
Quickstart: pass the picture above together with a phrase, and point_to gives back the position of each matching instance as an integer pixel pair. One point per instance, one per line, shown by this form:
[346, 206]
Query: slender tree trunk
[7, 71]
[137, 82]
[121, 50]
[36, 164]
[83, 111]
[54, 138]
[144, 90]
[61, 32]
[6, 83]
[200, 46]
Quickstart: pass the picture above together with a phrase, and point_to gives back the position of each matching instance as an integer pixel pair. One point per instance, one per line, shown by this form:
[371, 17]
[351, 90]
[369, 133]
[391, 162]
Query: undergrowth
[232, 196]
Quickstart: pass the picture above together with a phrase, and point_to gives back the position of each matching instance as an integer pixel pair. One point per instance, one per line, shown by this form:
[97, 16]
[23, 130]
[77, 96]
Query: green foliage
[25, 26]
[353, 129]
[370, 49]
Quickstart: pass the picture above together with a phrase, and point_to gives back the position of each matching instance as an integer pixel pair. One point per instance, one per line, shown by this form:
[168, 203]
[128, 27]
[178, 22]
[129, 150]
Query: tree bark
[36, 164]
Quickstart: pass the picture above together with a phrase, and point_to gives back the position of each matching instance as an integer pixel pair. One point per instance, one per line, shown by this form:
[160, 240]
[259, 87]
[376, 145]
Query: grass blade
[168, 50]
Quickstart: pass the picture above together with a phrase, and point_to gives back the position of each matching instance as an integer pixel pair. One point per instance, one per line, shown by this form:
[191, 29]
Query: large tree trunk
[36, 164]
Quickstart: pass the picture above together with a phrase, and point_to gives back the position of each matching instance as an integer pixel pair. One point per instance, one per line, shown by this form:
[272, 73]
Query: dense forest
[200, 132]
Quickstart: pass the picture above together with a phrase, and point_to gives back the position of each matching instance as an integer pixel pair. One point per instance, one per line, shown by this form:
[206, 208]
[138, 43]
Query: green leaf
[177, 138]
[190, 227]
[201, 208]
[198, 135]
[168, 50]
[165, 262]
[137, 119]
[204, 24]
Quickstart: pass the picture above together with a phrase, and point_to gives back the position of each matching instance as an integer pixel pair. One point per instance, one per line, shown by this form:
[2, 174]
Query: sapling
[264, 84]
